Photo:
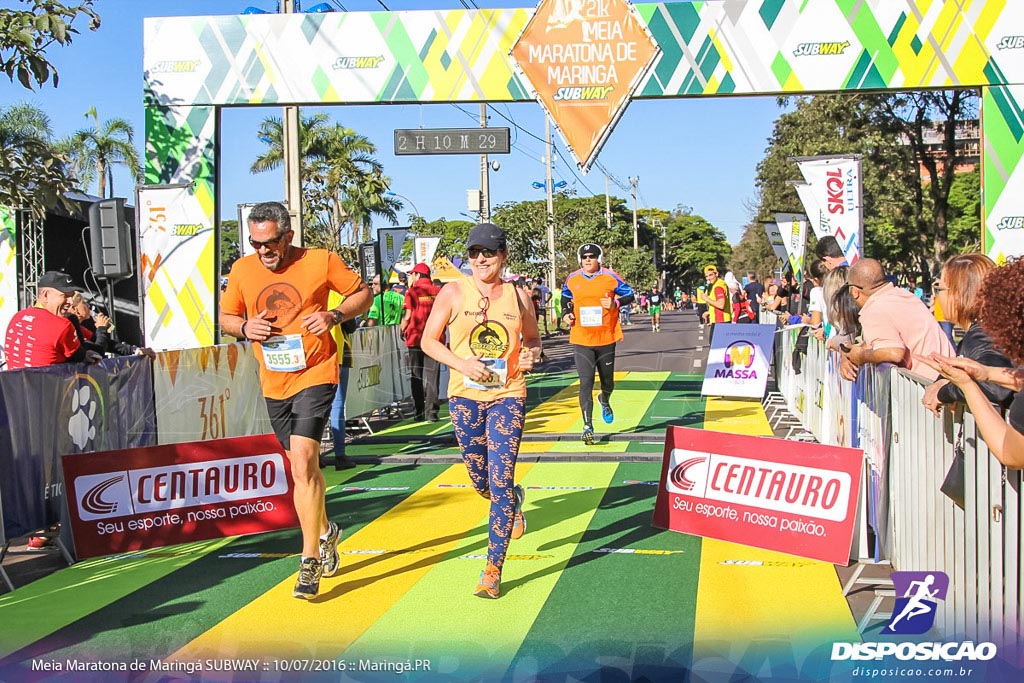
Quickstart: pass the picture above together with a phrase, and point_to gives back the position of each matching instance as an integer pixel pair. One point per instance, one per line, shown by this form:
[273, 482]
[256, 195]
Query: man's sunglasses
[586, 256]
[267, 243]
[473, 252]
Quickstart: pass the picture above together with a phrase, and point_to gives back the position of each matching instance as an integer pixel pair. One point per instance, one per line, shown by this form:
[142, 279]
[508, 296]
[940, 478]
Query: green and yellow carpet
[591, 592]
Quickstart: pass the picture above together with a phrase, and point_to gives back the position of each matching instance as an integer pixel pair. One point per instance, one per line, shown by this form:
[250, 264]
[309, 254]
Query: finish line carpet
[591, 590]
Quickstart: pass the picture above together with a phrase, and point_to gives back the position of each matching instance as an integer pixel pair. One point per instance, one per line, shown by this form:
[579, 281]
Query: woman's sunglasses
[473, 252]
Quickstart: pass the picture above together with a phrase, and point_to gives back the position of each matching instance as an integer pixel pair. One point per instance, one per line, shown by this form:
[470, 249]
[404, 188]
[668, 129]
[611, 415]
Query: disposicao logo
[914, 613]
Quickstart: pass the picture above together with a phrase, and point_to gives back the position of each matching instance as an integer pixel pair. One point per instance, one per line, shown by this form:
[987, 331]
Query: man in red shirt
[424, 371]
[41, 335]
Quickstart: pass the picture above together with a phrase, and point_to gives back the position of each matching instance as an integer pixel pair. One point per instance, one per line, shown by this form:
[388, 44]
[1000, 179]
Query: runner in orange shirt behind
[590, 306]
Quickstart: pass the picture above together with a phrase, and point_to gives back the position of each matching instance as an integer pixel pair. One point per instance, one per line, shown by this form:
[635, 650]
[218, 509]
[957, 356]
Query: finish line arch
[193, 66]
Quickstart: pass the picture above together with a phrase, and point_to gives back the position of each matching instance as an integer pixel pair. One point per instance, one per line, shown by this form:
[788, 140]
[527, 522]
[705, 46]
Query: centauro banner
[835, 184]
[789, 496]
[176, 264]
[163, 495]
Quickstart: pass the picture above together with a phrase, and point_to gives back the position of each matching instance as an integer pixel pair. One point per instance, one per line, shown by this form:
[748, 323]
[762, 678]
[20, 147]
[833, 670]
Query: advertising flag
[424, 248]
[788, 496]
[793, 227]
[775, 239]
[815, 216]
[738, 360]
[176, 268]
[835, 183]
[391, 242]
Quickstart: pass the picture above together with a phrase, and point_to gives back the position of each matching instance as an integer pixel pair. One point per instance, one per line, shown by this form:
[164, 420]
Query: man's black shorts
[303, 414]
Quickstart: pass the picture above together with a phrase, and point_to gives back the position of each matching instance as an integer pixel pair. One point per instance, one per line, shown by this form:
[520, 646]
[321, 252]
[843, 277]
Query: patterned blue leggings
[489, 436]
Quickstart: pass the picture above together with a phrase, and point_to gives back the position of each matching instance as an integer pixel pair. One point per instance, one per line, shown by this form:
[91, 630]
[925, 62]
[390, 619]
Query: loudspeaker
[110, 240]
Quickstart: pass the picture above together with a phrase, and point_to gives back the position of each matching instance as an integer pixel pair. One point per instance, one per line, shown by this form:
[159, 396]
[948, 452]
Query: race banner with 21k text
[142, 498]
[788, 496]
[584, 60]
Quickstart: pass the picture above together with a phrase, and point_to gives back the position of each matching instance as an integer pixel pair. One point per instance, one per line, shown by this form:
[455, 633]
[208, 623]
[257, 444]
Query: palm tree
[341, 180]
[32, 171]
[95, 151]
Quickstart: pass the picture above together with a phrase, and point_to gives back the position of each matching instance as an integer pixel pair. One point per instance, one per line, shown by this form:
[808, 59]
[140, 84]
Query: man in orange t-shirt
[591, 299]
[277, 298]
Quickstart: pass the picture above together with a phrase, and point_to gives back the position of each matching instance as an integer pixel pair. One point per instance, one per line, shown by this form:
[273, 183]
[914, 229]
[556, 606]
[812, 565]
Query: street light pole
[290, 152]
[632, 188]
[485, 175]
[416, 212]
[551, 206]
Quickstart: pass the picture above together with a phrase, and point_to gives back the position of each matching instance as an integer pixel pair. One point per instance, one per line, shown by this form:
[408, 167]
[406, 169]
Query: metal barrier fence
[907, 454]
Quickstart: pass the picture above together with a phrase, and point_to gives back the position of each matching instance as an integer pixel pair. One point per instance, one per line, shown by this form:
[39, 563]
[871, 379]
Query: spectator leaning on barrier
[40, 335]
[1002, 317]
[829, 251]
[278, 298]
[895, 324]
[958, 287]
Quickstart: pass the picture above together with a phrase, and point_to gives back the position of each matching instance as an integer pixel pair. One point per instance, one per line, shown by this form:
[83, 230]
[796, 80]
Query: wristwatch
[338, 316]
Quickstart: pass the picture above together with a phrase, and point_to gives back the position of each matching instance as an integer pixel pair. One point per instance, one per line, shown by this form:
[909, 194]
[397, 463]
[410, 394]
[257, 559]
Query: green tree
[341, 180]
[753, 253]
[26, 34]
[230, 244]
[965, 213]
[693, 243]
[96, 151]
[32, 169]
[635, 266]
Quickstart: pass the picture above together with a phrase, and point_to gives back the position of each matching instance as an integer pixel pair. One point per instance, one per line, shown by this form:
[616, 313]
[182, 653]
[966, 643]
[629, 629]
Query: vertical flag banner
[815, 216]
[584, 60]
[789, 496]
[776, 240]
[738, 360]
[1002, 168]
[424, 249]
[835, 183]
[8, 267]
[793, 228]
[391, 242]
[176, 254]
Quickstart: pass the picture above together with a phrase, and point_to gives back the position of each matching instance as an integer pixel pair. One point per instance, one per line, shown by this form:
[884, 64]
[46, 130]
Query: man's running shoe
[607, 414]
[588, 435]
[490, 583]
[329, 559]
[518, 518]
[308, 585]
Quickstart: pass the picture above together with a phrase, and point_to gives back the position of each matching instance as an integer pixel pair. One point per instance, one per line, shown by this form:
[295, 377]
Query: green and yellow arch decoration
[194, 65]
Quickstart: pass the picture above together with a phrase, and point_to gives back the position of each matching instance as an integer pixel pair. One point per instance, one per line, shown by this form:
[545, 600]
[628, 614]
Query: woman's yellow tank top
[488, 328]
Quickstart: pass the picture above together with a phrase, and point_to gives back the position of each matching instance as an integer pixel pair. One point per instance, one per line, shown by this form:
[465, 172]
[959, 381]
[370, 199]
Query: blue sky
[700, 153]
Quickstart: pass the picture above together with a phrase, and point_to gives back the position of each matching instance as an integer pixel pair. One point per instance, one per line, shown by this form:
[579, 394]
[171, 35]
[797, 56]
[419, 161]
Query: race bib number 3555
[284, 353]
